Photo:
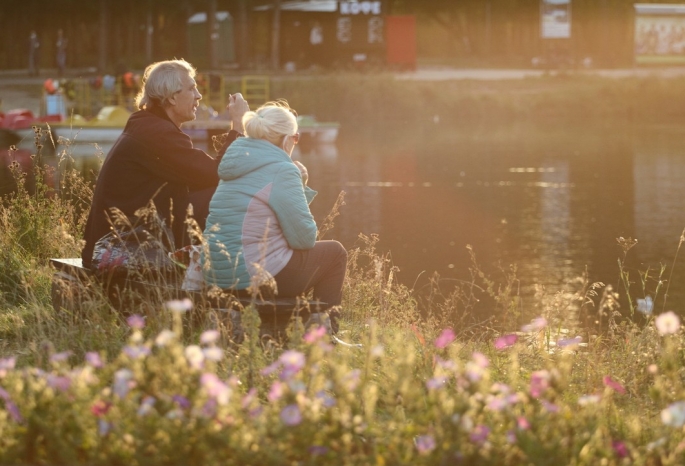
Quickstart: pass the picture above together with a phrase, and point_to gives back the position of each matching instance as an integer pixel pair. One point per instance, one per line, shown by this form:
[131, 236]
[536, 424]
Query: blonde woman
[259, 218]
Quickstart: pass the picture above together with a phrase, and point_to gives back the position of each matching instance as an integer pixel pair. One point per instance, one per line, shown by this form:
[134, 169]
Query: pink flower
[611, 383]
[291, 415]
[522, 423]
[136, 321]
[436, 382]
[276, 391]
[445, 338]
[292, 362]
[315, 334]
[535, 325]
[60, 357]
[215, 388]
[479, 434]
[506, 341]
[59, 383]
[6, 365]
[539, 383]
[620, 449]
[549, 407]
[100, 408]
[424, 444]
[93, 359]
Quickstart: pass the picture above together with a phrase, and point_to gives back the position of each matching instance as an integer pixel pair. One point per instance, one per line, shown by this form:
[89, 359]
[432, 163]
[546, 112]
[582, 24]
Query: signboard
[555, 19]
[659, 33]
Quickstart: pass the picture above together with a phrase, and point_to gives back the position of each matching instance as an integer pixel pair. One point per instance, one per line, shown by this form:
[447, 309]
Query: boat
[317, 131]
[106, 127]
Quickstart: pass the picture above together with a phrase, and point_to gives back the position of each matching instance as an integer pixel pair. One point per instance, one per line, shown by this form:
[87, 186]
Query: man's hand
[237, 107]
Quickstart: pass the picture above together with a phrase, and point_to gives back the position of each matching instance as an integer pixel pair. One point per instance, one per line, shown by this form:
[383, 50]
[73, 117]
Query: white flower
[674, 415]
[209, 336]
[667, 323]
[213, 353]
[164, 338]
[645, 306]
[179, 306]
[195, 356]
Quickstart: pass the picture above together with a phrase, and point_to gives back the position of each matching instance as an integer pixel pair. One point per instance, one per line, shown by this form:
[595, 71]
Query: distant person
[154, 160]
[34, 54]
[259, 225]
[61, 47]
[316, 44]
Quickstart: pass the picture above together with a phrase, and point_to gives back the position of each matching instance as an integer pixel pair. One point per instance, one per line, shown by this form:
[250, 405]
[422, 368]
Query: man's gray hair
[161, 80]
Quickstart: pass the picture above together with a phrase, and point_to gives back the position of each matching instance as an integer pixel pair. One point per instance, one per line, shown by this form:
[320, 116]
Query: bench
[73, 285]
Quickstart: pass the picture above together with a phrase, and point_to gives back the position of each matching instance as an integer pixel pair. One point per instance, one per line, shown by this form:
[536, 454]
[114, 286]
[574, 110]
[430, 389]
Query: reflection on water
[550, 201]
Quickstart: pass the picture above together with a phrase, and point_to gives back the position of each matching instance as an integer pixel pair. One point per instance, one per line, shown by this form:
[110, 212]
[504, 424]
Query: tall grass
[433, 383]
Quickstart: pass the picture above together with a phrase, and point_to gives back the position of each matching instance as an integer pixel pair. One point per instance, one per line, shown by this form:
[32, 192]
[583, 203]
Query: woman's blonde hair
[271, 122]
[161, 80]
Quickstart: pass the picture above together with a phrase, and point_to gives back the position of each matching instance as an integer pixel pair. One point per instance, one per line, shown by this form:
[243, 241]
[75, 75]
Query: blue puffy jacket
[258, 215]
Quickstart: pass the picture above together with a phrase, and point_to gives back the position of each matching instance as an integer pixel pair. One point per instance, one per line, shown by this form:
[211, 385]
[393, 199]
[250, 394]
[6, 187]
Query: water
[549, 200]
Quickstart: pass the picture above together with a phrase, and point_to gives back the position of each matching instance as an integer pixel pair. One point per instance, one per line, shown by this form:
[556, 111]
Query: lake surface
[550, 200]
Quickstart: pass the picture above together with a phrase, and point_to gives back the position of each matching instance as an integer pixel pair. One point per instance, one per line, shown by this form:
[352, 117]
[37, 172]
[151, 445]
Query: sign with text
[555, 19]
[360, 8]
[659, 33]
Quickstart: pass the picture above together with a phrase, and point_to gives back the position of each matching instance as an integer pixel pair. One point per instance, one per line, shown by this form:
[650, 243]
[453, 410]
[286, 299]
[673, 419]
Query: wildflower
[136, 322]
[352, 379]
[620, 448]
[103, 427]
[653, 369]
[59, 383]
[6, 365]
[292, 362]
[291, 415]
[445, 338]
[569, 343]
[645, 306]
[511, 437]
[614, 385]
[179, 306]
[181, 401]
[209, 337]
[476, 369]
[667, 323]
[93, 359]
[213, 353]
[479, 434]
[276, 391]
[316, 450]
[195, 356]
[60, 357]
[539, 383]
[505, 341]
[586, 400]
[424, 444]
[164, 338]
[122, 382]
[377, 351]
[549, 407]
[316, 333]
[522, 423]
[13, 411]
[146, 405]
[535, 325]
[215, 388]
[136, 352]
[100, 408]
[327, 400]
[496, 403]
[436, 382]
[674, 415]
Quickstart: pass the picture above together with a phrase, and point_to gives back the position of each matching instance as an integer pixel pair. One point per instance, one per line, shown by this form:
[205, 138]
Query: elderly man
[154, 160]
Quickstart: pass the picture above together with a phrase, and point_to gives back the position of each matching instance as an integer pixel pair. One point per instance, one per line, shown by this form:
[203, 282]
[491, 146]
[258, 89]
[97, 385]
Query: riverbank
[359, 100]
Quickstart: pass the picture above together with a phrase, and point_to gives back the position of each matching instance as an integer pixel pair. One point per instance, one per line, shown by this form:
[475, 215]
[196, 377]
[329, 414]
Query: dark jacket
[152, 159]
